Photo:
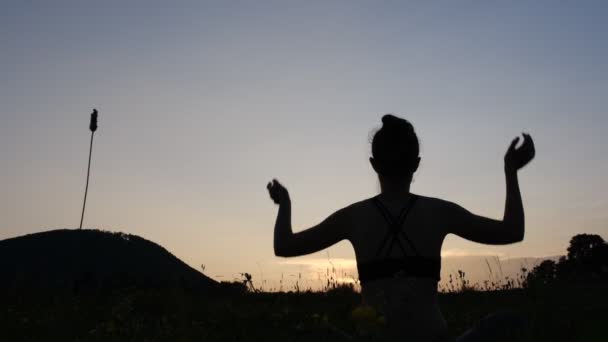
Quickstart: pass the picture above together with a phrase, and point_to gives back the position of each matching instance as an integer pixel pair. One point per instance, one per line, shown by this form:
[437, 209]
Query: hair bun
[391, 122]
[389, 119]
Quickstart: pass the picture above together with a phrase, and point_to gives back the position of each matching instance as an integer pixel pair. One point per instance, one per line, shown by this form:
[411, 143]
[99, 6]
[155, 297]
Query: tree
[582, 246]
[587, 261]
[543, 274]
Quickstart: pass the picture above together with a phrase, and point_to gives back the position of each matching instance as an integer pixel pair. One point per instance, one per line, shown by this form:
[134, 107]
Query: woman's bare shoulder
[356, 206]
[435, 203]
[428, 204]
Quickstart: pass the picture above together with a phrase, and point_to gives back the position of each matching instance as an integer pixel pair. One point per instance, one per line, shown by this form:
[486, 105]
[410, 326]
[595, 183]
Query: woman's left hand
[517, 158]
[277, 192]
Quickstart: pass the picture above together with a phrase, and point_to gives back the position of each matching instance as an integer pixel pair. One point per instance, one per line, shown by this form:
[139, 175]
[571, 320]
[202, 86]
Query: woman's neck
[395, 190]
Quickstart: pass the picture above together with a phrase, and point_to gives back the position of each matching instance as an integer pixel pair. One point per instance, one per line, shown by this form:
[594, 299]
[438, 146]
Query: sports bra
[408, 265]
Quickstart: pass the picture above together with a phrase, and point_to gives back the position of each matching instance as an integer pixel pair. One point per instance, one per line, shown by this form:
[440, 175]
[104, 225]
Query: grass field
[574, 312]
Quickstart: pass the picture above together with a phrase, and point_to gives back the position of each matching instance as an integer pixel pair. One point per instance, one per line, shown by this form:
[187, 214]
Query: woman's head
[395, 150]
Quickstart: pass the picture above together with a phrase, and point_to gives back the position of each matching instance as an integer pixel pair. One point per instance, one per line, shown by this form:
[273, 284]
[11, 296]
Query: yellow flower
[364, 313]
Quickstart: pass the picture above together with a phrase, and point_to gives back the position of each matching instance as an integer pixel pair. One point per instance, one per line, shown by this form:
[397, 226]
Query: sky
[201, 103]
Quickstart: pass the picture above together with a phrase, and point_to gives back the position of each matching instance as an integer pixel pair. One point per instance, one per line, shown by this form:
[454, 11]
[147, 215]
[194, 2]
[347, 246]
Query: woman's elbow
[518, 235]
[516, 239]
[282, 251]
[279, 252]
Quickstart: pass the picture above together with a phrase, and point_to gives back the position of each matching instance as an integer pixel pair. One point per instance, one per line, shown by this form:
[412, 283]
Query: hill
[92, 259]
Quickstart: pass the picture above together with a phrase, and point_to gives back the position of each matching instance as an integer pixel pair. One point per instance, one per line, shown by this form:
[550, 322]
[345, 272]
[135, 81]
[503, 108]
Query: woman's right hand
[277, 192]
[517, 158]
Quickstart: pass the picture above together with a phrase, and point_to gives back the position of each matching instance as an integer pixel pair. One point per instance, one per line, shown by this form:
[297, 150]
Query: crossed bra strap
[408, 265]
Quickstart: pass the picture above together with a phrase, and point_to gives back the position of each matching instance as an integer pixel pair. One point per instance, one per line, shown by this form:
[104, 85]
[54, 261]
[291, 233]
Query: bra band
[416, 266]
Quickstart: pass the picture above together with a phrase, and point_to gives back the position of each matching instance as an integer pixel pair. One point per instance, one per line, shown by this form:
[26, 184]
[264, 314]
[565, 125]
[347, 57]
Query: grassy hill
[92, 259]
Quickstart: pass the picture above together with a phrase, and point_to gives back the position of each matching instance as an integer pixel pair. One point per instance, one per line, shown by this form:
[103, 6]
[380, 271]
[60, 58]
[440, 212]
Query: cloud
[322, 264]
[455, 252]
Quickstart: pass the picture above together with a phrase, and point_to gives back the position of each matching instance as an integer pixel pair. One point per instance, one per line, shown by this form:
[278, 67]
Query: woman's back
[408, 302]
[423, 226]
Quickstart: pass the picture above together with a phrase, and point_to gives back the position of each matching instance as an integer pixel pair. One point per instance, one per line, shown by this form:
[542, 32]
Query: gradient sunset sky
[201, 103]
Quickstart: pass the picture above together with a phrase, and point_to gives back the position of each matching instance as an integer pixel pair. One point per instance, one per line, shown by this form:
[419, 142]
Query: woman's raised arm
[287, 244]
[512, 227]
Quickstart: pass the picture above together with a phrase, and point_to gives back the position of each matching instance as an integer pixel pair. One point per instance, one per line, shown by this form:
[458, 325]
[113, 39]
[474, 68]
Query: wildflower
[93, 124]
[364, 314]
[111, 327]
[93, 128]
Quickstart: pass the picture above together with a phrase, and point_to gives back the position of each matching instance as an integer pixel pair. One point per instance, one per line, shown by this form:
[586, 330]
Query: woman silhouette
[397, 235]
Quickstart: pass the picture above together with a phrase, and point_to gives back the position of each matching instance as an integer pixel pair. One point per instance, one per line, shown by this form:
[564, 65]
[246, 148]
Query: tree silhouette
[587, 260]
[582, 246]
[544, 273]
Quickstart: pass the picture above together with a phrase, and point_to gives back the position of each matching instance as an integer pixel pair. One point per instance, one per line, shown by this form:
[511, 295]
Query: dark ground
[576, 312]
